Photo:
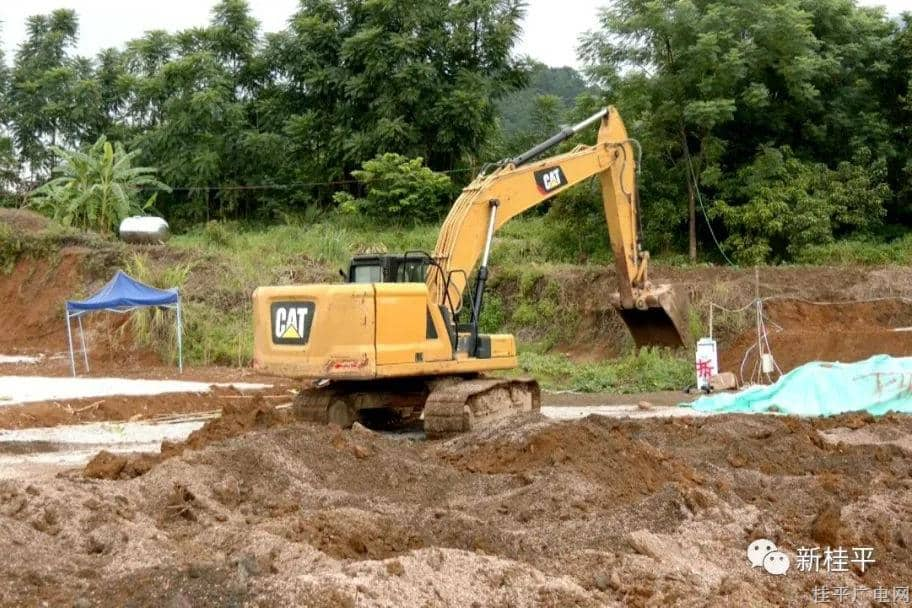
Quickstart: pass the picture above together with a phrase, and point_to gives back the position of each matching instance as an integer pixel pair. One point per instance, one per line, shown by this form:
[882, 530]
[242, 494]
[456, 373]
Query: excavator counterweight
[400, 339]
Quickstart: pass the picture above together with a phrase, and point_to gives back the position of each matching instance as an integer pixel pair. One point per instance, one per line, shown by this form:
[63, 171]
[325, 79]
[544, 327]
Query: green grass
[647, 370]
[859, 251]
[218, 265]
[15, 245]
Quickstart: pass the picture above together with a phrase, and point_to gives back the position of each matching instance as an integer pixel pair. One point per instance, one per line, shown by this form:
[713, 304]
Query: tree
[710, 84]
[50, 93]
[398, 189]
[785, 205]
[96, 189]
[898, 97]
[194, 102]
[415, 77]
[517, 109]
[9, 170]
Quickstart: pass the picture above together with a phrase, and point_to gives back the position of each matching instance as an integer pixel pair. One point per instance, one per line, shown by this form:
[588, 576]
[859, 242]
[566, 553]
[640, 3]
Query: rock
[602, 581]
[105, 465]
[360, 451]
[723, 381]
[644, 405]
[646, 543]
[614, 581]
[357, 427]
[827, 527]
[102, 539]
[395, 568]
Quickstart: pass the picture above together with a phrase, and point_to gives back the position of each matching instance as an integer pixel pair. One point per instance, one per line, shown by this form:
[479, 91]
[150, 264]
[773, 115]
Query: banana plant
[97, 188]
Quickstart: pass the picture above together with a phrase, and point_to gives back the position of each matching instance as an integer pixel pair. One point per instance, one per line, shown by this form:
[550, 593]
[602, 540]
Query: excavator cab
[408, 267]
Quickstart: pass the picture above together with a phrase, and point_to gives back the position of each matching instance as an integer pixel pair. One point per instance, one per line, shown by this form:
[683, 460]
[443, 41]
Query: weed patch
[645, 370]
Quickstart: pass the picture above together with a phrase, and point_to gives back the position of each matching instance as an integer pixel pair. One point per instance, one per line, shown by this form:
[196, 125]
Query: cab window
[366, 274]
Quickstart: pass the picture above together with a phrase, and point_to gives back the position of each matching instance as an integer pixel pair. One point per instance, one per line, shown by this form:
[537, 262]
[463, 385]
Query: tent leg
[180, 340]
[70, 341]
[85, 354]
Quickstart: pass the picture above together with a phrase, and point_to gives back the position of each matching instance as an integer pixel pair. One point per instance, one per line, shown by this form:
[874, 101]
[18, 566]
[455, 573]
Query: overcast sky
[551, 28]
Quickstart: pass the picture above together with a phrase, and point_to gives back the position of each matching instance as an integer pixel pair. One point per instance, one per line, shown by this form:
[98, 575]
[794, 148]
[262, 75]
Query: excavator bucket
[658, 318]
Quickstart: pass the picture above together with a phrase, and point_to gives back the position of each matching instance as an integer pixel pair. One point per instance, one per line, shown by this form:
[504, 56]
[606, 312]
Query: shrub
[155, 326]
[398, 189]
[780, 205]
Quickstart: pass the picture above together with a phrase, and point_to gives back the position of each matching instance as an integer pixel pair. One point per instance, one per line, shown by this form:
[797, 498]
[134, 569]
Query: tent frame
[121, 310]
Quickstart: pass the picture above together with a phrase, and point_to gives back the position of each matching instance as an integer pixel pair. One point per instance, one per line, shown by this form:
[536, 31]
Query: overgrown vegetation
[398, 189]
[16, 244]
[96, 189]
[788, 119]
[642, 371]
[776, 128]
[155, 327]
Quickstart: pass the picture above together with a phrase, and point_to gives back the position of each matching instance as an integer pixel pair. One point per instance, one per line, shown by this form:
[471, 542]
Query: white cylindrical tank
[144, 229]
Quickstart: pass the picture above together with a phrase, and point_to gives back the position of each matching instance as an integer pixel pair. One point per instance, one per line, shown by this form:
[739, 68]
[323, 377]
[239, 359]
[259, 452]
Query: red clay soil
[590, 513]
[33, 321]
[843, 332]
[33, 297]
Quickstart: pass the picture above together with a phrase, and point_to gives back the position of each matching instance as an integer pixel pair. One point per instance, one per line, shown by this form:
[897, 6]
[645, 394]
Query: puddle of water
[618, 411]
[28, 389]
[106, 433]
[26, 452]
[10, 359]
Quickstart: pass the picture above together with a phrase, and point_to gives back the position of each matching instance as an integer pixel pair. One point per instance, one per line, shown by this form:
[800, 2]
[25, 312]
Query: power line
[291, 186]
[696, 187]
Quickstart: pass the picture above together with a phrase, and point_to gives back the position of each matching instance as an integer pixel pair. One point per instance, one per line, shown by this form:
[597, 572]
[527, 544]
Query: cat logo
[549, 180]
[291, 322]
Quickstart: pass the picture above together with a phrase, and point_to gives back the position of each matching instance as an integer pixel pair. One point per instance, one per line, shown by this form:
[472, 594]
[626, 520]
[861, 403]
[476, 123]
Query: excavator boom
[655, 315]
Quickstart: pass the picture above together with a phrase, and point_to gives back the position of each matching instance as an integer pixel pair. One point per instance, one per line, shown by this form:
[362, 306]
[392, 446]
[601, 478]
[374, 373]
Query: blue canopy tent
[123, 294]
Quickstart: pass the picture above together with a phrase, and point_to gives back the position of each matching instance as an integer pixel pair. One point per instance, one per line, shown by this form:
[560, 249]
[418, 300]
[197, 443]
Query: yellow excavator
[400, 338]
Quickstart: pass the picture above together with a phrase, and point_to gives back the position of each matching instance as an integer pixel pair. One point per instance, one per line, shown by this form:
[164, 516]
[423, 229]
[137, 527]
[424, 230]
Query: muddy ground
[257, 509]
[594, 512]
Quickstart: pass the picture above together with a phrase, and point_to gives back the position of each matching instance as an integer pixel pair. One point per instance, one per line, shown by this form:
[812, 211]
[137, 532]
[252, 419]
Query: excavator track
[468, 405]
[451, 405]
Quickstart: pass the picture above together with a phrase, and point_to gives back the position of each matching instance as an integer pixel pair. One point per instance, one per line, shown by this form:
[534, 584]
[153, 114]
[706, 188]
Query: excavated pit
[802, 331]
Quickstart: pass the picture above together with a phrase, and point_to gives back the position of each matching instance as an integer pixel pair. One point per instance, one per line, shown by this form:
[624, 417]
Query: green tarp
[877, 385]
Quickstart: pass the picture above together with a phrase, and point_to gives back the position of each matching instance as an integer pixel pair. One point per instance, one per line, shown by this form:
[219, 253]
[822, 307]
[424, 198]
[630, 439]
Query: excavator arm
[655, 315]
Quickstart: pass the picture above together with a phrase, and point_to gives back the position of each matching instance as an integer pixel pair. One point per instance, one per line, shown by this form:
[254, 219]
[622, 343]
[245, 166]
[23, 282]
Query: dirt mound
[595, 512]
[235, 419]
[590, 328]
[801, 331]
[605, 453]
[33, 296]
[24, 221]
